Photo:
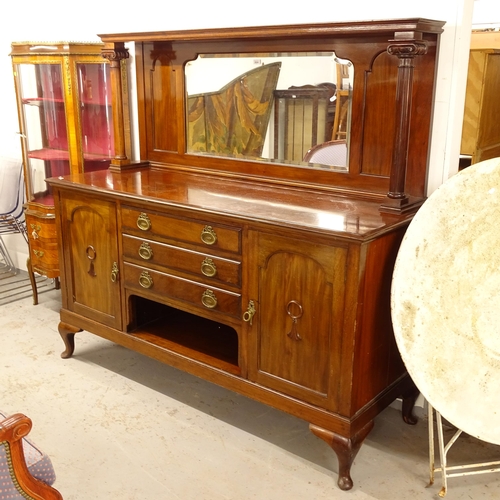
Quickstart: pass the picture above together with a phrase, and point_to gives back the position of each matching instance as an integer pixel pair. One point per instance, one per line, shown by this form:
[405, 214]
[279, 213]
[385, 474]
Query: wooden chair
[25, 472]
[342, 102]
[302, 119]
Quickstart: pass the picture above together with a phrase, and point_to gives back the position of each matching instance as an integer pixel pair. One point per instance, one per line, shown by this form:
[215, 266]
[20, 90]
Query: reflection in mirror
[286, 108]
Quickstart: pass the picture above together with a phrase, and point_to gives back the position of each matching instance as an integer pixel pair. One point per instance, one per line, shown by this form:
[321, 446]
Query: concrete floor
[118, 425]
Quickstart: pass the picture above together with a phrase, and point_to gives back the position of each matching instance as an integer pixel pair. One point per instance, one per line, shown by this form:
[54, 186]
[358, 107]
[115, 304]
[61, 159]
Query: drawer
[203, 266]
[43, 228]
[44, 257]
[153, 225]
[165, 285]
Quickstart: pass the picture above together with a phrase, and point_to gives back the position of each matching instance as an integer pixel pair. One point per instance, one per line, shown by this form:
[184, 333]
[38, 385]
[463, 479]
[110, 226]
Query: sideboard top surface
[325, 213]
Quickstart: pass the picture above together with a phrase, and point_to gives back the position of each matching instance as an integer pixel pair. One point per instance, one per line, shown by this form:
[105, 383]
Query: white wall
[56, 20]
[486, 14]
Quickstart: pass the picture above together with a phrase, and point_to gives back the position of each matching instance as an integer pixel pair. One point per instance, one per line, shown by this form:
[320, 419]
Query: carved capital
[407, 49]
[115, 53]
[163, 53]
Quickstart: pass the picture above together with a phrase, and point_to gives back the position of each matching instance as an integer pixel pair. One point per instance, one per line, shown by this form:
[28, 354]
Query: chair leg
[8, 265]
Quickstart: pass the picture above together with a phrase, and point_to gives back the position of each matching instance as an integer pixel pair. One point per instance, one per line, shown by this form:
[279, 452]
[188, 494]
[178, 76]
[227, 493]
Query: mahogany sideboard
[269, 278]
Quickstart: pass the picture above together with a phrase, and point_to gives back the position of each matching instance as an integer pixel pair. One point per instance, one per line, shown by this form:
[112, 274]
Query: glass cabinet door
[44, 131]
[95, 115]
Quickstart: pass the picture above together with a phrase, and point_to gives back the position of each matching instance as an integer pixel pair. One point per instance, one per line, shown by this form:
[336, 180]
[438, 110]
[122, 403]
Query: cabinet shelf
[191, 336]
[40, 101]
[48, 154]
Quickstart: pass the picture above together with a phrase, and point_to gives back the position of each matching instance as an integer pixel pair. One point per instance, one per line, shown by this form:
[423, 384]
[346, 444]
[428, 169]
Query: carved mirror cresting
[287, 108]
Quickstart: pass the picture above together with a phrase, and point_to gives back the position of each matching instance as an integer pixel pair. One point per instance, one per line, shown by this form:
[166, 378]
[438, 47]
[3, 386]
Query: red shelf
[50, 154]
[59, 154]
[46, 199]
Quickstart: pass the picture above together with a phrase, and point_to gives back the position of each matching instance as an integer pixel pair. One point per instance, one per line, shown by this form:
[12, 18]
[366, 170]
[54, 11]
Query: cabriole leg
[346, 449]
[67, 333]
[409, 398]
[31, 275]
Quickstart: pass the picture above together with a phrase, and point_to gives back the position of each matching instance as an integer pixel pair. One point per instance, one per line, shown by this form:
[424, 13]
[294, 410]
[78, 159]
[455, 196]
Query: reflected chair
[25, 471]
[302, 119]
[342, 102]
[333, 153]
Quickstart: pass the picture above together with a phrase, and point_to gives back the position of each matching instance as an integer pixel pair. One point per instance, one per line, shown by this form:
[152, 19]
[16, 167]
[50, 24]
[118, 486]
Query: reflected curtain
[234, 120]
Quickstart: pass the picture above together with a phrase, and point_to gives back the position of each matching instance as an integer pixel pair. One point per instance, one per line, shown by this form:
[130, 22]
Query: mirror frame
[392, 100]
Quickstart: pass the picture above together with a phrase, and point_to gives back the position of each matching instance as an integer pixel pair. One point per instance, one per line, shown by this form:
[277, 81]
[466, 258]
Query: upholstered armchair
[25, 472]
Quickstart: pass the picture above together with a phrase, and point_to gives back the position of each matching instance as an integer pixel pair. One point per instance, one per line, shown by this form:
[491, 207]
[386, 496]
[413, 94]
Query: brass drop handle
[208, 299]
[294, 310]
[145, 280]
[208, 267]
[208, 235]
[145, 251]
[248, 314]
[144, 222]
[114, 272]
[91, 255]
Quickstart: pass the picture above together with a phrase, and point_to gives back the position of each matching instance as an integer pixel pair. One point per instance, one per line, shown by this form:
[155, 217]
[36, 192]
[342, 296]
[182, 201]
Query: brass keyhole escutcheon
[145, 251]
[144, 222]
[294, 310]
[91, 255]
[208, 267]
[208, 235]
[208, 299]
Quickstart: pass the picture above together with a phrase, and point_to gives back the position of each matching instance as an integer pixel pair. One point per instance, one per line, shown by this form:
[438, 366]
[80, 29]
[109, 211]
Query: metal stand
[479, 468]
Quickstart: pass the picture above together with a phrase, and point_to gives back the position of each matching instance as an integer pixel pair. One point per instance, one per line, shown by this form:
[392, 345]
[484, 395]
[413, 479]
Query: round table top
[445, 300]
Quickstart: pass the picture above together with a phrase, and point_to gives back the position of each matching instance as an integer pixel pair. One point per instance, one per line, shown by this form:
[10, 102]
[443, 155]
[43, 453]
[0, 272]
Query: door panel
[89, 230]
[295, 340]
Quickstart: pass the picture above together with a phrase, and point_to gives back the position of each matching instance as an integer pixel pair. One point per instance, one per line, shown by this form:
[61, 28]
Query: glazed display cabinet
[66, 127]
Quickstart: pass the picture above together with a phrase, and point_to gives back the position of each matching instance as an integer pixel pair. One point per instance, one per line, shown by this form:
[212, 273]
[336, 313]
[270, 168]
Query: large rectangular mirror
[292, 108]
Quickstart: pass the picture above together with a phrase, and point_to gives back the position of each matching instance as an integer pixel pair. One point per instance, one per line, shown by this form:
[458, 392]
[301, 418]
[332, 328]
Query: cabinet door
[294, 340]
[89, 231]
